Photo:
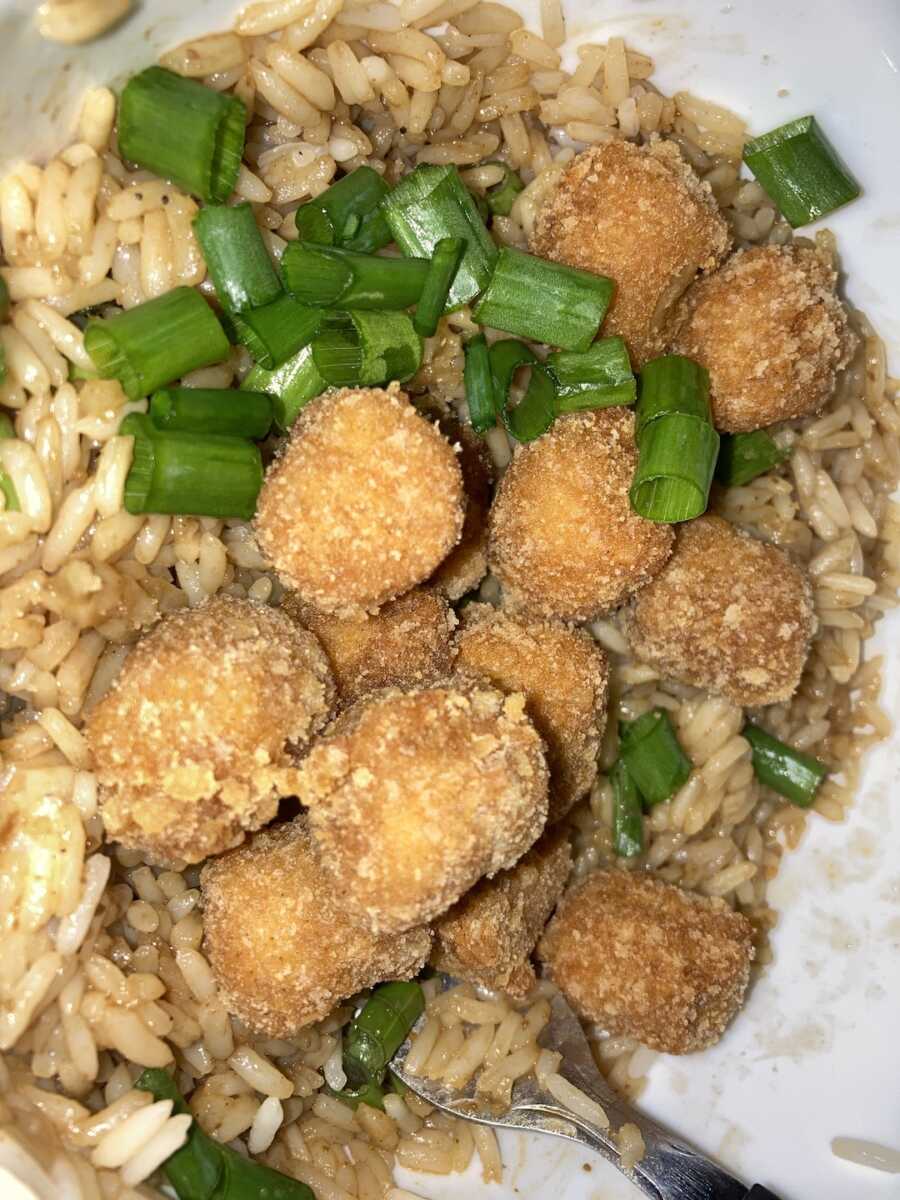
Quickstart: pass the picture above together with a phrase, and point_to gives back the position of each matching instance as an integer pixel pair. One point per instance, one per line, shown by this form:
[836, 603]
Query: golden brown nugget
[405, 644]
[640, 215]
[564, 541]
[564, 677]
[488, 936]
[644, 959]
[728, 613]
[192, 742]
[413, 796]
[770, 329]
[364, 501]
[282, 948]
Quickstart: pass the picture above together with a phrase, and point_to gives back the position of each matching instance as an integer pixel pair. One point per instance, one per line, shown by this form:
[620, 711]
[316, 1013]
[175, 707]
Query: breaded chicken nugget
[640, 215]
[406, 644]
[363, 503]
[281, 946]
[564, 676]
[488, 936]
[728, 613]
[564, 541]
[414, 796]
[192, 741]
[772, 333]
[644, 959]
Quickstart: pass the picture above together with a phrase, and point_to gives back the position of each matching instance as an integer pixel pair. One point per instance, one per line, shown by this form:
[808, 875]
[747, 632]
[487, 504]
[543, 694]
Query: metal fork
[670, 1168]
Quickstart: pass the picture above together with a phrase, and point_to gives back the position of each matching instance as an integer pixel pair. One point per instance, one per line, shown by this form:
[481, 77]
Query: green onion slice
[441, 272]
[158, 341]
[359, 348]
[672, 384]
[432, 203]
[544, 301]
[369, 1093]
[204, 1169]
[596, 378]
[290, 386]
[376, 1033]
[328, 277]
[744, 456]
[479, 384]
[787, 771]
[653, 756]
[348, 214]
[501, 197]
[676, 462]
[628, 821]
[534, 413]
[181, 130]
[236, 257]
[7, 487]
[801, 171]
[244, 414]
[205, 475]
[273, 333]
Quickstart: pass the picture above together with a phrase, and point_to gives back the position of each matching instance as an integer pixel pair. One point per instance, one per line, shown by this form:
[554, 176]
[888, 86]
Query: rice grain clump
[728, 612]
[405, 644]
[192, 742]
[564, 541]
[488, 936]
[414, 796]
[640, 215]
[645, 959]
[277, 935]
[563, 675]
[770, 329]
[363, 503]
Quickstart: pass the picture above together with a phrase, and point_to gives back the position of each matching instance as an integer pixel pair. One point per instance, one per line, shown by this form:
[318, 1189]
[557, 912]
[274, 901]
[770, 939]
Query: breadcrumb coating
[282, 948]
[564, 541]
[192, 743]
[772, 333]
[644, 959]
[364, 501]
[640, 215]
[466, 564]
[414, 796]
[405, 644]
[728, 613]
[488, 936]
[564, 677]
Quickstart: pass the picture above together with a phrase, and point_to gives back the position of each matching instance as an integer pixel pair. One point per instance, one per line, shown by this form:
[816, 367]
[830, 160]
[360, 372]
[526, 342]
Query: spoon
[670, 1168]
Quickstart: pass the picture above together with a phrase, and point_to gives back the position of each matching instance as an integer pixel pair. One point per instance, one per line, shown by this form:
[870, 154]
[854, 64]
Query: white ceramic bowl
[816, 1052]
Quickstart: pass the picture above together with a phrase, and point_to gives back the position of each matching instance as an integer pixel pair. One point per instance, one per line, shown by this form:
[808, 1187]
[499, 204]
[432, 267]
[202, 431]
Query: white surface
[816, 1052]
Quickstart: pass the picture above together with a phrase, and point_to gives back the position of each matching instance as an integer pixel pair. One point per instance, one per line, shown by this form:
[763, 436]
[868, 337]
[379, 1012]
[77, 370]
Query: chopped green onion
[672, 384]
[376, 1033]
[370, 1094]
[502, 196]
[158, 341]
[7, 487]
[677, 459]
[596, 378]
[181, 130]
[236, 257]
[204, 1169]
[433, 203]
[291, 386]
[544, 301]
[328, 277]
[77, 373]
[273, 333]
[628, 821]
[243, 414]
[359, 348]
[534, 413]
[348, 214]
[801, 171]
[206, 475]
[441, 272]
[787, 771]
[479, 385]
[653, 757]
[482, 205]
[744, 456]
